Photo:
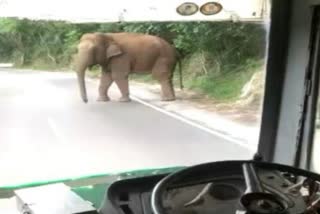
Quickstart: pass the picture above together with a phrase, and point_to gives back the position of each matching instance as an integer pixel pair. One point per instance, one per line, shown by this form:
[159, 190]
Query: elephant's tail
[180, 69]
[180, 74]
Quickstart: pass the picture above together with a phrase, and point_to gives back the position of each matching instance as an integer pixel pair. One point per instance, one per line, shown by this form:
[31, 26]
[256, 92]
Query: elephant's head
[93, 49]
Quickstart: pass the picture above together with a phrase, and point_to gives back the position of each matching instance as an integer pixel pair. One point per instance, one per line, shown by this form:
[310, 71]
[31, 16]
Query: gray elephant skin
[120, 54]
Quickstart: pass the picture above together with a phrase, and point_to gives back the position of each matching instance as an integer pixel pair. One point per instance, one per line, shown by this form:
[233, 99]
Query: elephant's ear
[113, 50]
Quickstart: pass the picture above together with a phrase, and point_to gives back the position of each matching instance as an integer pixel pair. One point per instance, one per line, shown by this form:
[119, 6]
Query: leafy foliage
[209, 50]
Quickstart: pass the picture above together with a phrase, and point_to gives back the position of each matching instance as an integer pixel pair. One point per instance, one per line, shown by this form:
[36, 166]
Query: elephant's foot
[103, 99]
[124, 99]
[168, 99]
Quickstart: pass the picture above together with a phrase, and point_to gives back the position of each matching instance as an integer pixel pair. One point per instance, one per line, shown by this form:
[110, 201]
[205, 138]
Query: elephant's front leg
[123, 85]
[105, 83]
[120, 67]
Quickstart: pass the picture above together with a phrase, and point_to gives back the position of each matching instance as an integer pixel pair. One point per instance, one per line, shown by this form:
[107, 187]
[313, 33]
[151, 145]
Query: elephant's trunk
[81, 67]
[82, 85]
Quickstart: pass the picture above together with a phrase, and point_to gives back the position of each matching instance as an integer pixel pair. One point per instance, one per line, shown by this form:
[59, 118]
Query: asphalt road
[46, 132]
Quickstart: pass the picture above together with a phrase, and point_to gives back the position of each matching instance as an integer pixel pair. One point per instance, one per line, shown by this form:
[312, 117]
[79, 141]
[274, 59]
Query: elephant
[119, 54]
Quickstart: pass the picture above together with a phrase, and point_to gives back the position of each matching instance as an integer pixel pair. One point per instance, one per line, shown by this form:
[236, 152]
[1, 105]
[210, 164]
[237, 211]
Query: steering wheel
[238, 187]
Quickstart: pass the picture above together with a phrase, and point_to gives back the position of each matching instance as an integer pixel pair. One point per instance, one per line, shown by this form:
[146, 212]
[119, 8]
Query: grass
[94, 72]
[225, 85]
[41, 64]
[147, 78]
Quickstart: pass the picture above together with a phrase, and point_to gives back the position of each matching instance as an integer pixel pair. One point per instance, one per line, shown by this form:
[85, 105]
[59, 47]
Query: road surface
[46, 132]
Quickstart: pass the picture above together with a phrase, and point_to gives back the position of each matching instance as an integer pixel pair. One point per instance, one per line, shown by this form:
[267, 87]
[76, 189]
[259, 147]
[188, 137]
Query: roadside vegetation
[218, 59]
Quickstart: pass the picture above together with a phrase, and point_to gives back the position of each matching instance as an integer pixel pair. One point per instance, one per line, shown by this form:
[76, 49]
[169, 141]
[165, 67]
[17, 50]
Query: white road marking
[252, 148]
[194, 124]
[56, 131]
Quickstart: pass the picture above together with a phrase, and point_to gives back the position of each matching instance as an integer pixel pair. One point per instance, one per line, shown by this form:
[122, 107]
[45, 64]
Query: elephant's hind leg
[105, 83]
[162, 72]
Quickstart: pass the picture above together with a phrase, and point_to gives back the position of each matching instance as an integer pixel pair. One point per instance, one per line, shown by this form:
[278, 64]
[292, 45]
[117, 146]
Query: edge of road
[240, 142]
[194, 124]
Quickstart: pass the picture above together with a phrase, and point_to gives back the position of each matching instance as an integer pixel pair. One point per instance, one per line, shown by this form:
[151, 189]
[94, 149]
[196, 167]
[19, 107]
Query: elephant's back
[144, 49]
[140, 41]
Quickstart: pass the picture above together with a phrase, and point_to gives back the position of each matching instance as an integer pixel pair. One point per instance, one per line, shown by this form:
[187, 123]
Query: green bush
[217, 57]
[223, 86]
